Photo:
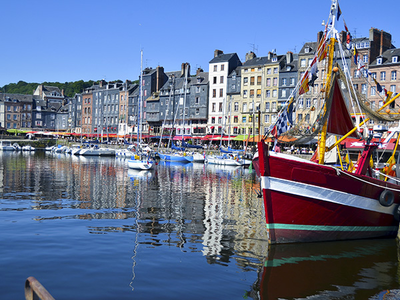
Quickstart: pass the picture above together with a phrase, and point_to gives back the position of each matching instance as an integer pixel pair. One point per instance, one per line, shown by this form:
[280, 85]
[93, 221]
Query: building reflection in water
[195, 207]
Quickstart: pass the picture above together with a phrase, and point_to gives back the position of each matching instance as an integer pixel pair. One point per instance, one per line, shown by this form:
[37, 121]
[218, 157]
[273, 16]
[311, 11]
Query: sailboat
[140, 160]
[180, 156]
[309, 201]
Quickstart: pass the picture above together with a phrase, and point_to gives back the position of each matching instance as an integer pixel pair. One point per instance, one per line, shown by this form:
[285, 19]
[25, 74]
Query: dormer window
[274, 59]
[288, 68]
[379, 61]
[306, 50]
[395, 59]
[198, 80]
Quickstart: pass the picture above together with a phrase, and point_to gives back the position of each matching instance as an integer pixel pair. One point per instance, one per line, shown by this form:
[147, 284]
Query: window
[221, 93]
[267, 106]
[300, 117]
[221, 79]
[252, 80]
[373, 91]
[220, 107]
[244, 93]
[235, 119]
[244, 119]
[214, 93]
[284, 93]
[215, 80]
[222, 67]
[365, 59]
[394, 59]
[308, 102]
[245, 80]
[364, 89]
[236, 106]
[292, 81]
[373, 75]
[275, 70]
[393, 75]
[379, 61]
[266, 118]
[259, 93]
[251, 93]
[275, 81]
[269, 71]
[284, 81]
[258, 80]
[274, 106]
[214, 106]
[197, 89]
[215, 68]
[268, 81]
[383, 75]
[213, 120]
[275, 93]
[267, 93]
[393, 89]
[301, 103]
[303, 63]
[244, 107]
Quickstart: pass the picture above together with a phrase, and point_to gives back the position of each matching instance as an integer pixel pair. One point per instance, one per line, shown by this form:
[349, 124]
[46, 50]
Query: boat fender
[386, 198]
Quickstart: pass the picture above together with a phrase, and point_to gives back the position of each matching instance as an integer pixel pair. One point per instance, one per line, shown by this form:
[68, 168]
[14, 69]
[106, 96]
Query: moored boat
[307, 201]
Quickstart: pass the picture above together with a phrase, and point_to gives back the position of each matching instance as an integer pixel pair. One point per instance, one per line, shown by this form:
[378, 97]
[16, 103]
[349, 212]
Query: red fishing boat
[308, 201]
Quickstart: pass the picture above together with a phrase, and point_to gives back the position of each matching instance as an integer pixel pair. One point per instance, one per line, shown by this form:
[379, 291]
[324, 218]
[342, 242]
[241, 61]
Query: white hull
[140, 164]
[224, 161]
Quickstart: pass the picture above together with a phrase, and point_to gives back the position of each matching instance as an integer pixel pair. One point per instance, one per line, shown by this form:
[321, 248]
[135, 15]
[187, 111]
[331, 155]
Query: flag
[284, 120]
[378, 86]
[322, 50]
[350, 166]
[348, 41]
[314, 71]
[304, 84]
[345, 26]
[355, 55]
[360, 64]
[339, 12]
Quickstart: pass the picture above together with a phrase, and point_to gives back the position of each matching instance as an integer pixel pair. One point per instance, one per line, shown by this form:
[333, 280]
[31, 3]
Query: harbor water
[90, 228]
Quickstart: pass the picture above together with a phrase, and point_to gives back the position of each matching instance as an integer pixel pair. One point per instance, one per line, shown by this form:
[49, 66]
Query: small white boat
[142, 162]
[28, 148]
[198, 157]
[6, 146]
[95, 150]
[17, 147]
[225, 160]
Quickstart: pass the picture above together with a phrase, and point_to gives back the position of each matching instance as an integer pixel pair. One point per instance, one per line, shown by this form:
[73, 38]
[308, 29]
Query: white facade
[218, 76]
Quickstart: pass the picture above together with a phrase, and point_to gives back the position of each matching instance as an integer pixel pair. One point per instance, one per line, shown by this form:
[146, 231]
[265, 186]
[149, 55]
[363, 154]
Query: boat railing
[35, 290]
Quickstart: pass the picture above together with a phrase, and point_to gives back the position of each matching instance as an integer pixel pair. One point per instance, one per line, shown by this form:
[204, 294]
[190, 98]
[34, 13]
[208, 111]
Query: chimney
[183, 67]
[343, 36]
[289, 57]
[159, 78]
[269, 55]
[250, 55]
[62, 92]
[199, 70]
[218, 53]
[320, 35]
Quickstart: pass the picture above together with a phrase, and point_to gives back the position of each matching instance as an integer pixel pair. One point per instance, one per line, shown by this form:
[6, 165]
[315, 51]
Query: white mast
[139, 120]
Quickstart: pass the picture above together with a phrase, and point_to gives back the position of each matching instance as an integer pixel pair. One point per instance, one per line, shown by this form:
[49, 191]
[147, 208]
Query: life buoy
[386, 198]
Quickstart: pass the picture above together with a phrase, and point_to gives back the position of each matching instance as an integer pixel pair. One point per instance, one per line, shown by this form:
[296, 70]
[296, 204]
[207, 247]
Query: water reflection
[195, 207]
[329, 270]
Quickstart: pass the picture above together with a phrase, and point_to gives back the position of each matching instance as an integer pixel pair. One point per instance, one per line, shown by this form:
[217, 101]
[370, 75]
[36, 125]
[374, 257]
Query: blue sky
[72, 40]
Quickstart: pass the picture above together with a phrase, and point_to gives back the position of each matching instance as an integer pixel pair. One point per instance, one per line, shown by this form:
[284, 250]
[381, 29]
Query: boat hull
[308, 202]
[140, 164]
[175, 158]
[213, 160]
